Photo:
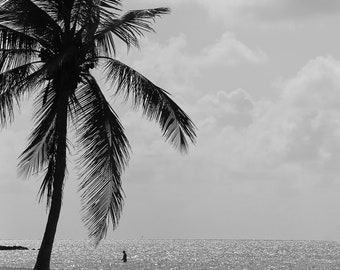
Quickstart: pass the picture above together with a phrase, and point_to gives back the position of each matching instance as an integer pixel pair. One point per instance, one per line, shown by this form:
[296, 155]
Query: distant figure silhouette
[124, 259]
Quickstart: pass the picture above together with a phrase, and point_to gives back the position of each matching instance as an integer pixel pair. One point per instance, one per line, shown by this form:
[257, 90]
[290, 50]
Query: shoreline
[11, 268]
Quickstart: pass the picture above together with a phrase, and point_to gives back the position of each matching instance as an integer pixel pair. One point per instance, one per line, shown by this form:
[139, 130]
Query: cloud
[290, 9]
[297, 133]
[174, 61]
[226, 109]
[294, 135]
[228, 50]
[313, 99]
[241, 11]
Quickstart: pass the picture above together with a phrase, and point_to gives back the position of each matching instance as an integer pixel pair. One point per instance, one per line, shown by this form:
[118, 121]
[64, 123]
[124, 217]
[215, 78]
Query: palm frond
[11, 39]
[14, 84]
[129, 28]
[42, 140]
[47, 183]
[41, 151]
[105, 153]
[155, 102]
[14, 58]
[109, 8]
[26, 17]
[55, 9]
[16, 49]
[7, 96]
[86, 12]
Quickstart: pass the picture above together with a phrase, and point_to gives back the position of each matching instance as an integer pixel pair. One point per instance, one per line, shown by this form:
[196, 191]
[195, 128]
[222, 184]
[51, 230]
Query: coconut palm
[48, 49]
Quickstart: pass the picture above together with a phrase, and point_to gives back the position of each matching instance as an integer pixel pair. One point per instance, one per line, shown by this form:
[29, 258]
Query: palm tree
[47, 49]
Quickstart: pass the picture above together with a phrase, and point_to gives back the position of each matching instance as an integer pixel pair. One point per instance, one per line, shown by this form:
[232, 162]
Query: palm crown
[47, 48]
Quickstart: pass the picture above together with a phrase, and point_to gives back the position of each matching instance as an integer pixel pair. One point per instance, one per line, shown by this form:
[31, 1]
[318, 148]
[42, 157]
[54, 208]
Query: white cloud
[228, 50]
[295, 135]
[233, 109]
[243, 11]
[174, 61]
[299, 132]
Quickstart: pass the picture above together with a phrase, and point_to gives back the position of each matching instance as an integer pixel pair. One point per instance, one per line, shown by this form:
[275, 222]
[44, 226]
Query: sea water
[180, 254]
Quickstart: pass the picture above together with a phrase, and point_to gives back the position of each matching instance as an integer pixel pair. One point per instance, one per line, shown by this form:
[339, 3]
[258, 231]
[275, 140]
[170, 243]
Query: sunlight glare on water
[181, 254]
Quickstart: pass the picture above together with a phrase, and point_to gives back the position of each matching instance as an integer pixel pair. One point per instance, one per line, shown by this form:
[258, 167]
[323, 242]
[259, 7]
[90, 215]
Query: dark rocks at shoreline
[13, 248]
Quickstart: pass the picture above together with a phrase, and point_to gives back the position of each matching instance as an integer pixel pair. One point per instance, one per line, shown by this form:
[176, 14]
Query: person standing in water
[124, 259]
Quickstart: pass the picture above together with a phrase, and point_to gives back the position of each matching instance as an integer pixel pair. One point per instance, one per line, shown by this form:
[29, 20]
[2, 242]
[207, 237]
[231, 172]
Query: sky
[261, 81]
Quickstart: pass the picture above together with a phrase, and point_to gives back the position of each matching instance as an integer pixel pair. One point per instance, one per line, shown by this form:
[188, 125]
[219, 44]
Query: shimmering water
[181, 254]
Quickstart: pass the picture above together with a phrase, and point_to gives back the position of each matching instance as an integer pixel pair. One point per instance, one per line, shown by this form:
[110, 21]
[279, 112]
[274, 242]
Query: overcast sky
[261, 81]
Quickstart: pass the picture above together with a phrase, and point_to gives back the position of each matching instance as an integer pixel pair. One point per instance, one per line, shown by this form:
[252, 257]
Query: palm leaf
[27, 17]
[155, 102]
[42, 139]
[14, 58]
[14, 84]
[108, 8]
[129, 28]
[85, 12]
[41, 151]
[105, 152]
[14, 39]
[47, 183]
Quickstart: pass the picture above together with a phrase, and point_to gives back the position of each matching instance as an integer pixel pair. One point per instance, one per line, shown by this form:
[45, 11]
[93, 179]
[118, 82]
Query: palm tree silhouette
[47, 49]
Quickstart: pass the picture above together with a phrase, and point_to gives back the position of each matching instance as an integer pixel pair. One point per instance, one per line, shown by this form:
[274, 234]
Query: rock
[13, 248]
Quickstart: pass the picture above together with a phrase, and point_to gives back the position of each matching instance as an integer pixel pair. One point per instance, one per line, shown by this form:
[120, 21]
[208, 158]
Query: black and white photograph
[169, 134]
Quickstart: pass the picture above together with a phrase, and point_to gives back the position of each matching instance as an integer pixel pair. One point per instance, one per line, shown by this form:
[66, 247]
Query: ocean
[180, 254]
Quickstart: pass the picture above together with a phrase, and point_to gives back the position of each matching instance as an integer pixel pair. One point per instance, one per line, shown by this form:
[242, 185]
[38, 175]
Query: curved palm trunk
[44, 255]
